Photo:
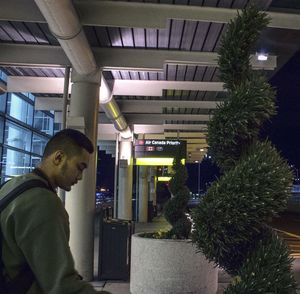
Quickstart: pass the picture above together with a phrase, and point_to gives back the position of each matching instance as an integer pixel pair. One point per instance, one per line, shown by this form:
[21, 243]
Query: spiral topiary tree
[175, 208]
[230, 223]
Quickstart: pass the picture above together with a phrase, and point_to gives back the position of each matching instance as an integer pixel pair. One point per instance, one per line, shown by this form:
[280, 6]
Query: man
[35, 226]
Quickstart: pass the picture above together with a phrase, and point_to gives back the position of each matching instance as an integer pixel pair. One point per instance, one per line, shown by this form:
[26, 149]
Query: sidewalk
[159, 223]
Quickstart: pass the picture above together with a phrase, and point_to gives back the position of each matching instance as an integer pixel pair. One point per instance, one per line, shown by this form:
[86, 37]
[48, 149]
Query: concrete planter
[170, 267]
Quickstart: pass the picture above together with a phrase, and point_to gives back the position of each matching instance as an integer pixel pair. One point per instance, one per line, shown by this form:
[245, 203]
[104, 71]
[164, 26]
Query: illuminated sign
[156, 161]
[159, 148]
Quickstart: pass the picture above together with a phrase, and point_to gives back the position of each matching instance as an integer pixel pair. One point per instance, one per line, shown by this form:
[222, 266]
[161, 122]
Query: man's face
[71, 170]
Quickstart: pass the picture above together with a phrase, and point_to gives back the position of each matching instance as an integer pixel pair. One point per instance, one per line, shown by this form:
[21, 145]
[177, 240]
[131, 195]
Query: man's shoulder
[33, 198]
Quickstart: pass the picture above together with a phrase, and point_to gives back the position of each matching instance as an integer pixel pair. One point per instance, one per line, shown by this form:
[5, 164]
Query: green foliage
[267, 270]
[236, 45]
[175, 208]
[229, 223]
[236, 122]
[230, 217]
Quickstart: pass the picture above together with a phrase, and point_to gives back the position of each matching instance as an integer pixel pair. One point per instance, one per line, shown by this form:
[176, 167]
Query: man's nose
[79, 177]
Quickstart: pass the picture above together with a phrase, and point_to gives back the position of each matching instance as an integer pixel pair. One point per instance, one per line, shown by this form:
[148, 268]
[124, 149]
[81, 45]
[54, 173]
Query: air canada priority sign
[159, 148]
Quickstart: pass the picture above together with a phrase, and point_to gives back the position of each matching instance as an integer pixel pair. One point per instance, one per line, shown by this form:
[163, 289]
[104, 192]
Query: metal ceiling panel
[163, 37]
[176, 30]
[188, 35]
[4, 36]
[239, 3]
[115, 37]
[48, 35]
[212, 37]
[36, 31]
[290, 4]
[176, 110]
[139, 37]
[102, 37]
[151, 38]
[190, 73]
[92, 37]
[33, 72]
[209, 74]
[127, 37]
[200, 36]
[11, 32]
[22, 29]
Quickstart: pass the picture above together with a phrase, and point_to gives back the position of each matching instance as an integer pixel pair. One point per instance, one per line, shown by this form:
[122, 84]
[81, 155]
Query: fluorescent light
[156, 161]
[262, 56]
[126, 133]
[105, 94]
[163, 179]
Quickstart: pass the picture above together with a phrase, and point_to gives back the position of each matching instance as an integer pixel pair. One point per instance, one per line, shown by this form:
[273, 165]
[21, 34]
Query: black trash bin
[114, 249]
[150, 211]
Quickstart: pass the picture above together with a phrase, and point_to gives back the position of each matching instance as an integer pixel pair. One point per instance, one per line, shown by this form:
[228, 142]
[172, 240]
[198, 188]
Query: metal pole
[199, 178]
[65, 97]
[116, 178]
[61, 192]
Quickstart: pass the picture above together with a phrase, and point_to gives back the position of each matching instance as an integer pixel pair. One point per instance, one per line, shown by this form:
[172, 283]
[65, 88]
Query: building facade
[24, 132]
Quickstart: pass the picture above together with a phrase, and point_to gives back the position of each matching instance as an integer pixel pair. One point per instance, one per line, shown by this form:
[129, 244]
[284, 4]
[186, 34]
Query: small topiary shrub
[230, 222]
[175, 208]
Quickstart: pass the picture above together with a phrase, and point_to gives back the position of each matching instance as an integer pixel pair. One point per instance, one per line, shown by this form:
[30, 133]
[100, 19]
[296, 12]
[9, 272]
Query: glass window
[2, 102]
[35, 160]
[38, 144]
[14, 163]
[19, 109]
[57, 127]
[16, 136]
[1, 130]
[43, 122]
[3, 76]
[29, 95]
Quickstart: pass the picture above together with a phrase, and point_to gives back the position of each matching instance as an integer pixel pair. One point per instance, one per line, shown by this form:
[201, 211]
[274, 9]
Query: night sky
[283, 130]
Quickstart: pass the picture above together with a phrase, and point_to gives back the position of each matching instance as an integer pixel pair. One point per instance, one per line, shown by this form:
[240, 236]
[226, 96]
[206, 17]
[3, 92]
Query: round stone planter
[160, 266]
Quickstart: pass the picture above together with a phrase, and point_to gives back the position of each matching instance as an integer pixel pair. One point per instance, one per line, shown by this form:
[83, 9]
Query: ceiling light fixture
[262, 56]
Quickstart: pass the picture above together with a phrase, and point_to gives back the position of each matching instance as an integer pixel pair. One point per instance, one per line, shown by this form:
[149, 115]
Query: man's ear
[58, 157]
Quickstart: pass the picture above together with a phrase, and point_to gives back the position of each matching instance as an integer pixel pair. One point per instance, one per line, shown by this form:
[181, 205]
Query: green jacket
[35, 229]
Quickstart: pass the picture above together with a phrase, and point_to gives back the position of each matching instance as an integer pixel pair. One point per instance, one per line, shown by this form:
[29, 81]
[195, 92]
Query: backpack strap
[19, 190]
[23, 281]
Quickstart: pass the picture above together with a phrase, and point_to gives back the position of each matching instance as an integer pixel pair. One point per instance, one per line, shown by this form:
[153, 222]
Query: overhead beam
[111, 136]
[121, 87]
[32, 55]
[132, 106]
[156, 106]
[148, 59]
[117, 58]
[138, 15]
[154, 119]
[181, 127]
[185, 134]
[35, 84]
[3, 87]
[141, 15]
[48, 103]
[197, 147]
[155, 88]
[20, 10]
[144, 129]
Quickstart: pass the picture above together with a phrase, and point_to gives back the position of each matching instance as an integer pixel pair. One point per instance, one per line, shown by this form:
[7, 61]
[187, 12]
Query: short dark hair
[70, 141]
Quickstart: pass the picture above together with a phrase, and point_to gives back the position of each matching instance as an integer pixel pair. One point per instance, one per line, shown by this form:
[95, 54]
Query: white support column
[143, 194]
[116, 178]
[125, 180]
[80, 201]
[153, 180]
